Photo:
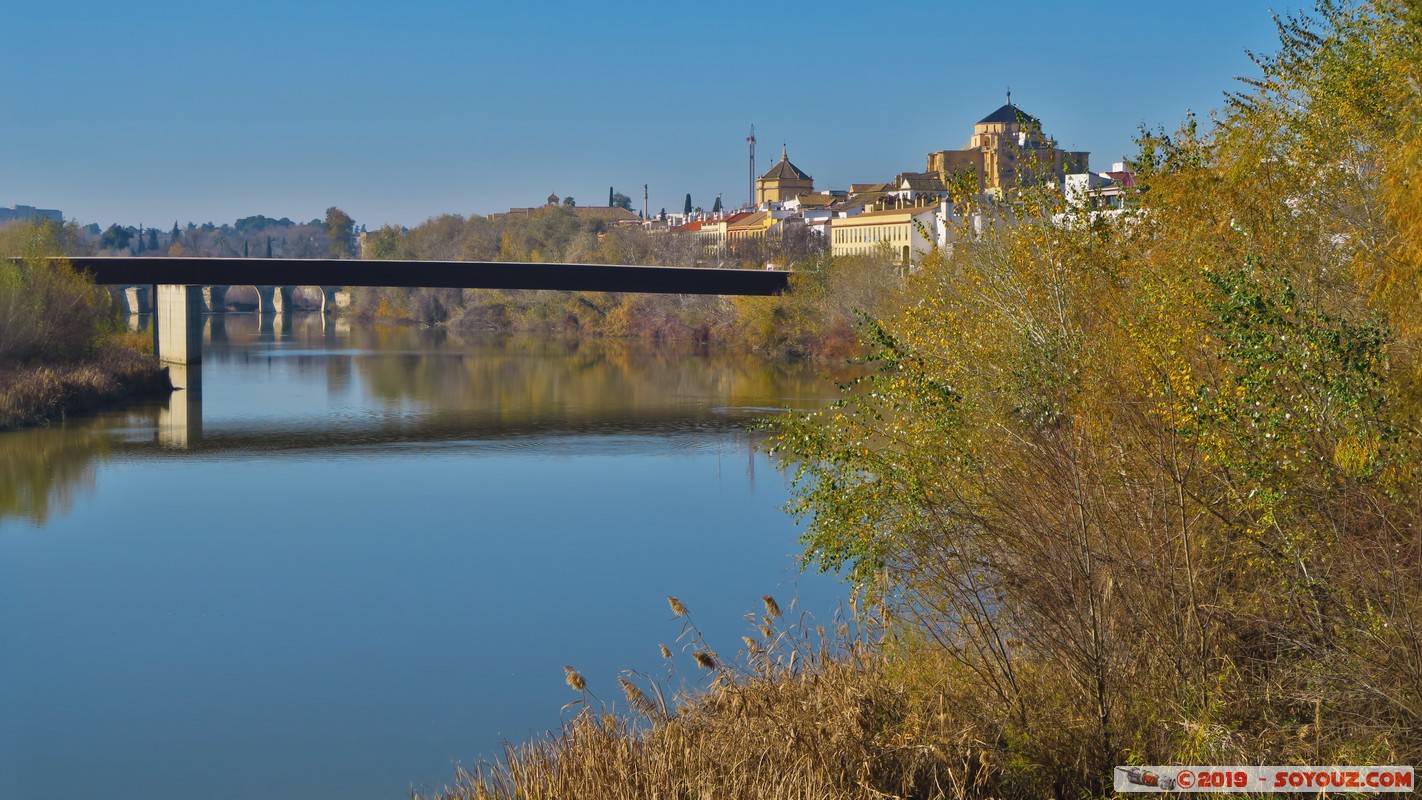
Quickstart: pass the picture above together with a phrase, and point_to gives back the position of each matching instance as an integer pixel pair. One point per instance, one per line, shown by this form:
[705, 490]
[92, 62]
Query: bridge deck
[434, 274]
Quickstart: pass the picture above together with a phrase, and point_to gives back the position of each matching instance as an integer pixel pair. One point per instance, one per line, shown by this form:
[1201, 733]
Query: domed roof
[1009, 114]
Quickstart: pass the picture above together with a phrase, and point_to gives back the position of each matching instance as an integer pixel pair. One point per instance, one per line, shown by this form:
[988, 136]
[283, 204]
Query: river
[351, 557]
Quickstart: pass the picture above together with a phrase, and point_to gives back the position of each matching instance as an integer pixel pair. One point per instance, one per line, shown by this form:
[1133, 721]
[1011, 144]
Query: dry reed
[575, 679]
[33, 394]
[676, 606]
[801, 716]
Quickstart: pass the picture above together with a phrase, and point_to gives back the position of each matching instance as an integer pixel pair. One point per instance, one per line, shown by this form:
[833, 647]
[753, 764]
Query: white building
[14, 213]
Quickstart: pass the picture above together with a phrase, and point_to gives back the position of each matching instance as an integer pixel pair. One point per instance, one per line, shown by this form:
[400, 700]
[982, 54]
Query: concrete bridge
[184, 289]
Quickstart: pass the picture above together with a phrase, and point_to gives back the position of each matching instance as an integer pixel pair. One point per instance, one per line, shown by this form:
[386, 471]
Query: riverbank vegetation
[61, 350]
[804, 713]
[1134, 490]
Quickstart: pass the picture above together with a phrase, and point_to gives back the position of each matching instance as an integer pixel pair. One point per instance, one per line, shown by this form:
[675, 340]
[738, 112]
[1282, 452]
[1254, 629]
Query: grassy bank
[61, 349]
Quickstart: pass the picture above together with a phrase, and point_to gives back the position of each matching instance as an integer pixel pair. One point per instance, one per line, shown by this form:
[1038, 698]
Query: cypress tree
[609, 197]
[687, 209]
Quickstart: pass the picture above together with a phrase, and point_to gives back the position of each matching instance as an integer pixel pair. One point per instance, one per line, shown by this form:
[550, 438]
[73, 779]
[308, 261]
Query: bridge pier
[281, 299]
[177, 324]
[265, 298]
[214, 299]
[136, 300]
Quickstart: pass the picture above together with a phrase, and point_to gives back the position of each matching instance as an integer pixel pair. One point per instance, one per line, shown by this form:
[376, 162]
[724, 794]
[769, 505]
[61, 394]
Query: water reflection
[180, 419]
[303, 383]
[41, 472]
[343, 559]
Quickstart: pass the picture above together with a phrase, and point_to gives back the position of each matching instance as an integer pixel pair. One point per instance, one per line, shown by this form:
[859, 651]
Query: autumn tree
[1144, 486]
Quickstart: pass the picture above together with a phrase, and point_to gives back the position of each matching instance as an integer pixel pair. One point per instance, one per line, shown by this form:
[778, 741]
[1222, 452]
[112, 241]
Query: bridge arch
[271, 299]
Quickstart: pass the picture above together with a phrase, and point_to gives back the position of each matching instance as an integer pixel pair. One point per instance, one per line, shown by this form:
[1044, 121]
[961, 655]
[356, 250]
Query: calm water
[351, 558]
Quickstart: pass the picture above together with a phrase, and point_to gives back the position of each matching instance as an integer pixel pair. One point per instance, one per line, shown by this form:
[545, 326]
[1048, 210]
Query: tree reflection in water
[44, 470]
[318, 385]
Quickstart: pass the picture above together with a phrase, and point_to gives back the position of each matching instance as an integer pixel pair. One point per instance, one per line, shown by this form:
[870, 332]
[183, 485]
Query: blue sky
[150, 112]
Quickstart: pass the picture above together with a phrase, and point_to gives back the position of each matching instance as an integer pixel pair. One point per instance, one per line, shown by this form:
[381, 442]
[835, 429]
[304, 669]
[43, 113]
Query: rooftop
[785, 171]
[869, 217]
[1010, 114]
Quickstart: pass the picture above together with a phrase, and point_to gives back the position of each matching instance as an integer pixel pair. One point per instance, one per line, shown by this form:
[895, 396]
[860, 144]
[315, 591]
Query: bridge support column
[265, 299]
[214, 299]
[328, 299]
[135, 300]
[281, 299]
[177, 324]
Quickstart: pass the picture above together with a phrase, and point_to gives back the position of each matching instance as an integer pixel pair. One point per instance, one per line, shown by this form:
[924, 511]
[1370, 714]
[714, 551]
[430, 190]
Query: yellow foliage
[1168, 456]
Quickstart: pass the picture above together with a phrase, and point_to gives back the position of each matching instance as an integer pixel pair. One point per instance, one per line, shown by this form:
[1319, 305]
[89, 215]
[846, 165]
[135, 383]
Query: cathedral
[1008, 150]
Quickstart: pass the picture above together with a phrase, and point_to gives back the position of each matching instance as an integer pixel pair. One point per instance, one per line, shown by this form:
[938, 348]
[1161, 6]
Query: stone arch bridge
[271, 299]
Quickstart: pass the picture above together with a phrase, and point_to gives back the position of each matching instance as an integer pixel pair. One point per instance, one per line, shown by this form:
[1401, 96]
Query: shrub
[48, 312]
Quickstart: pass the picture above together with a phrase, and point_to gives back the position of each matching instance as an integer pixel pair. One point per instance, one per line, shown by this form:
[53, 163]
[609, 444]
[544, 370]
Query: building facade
[14, 213]
[903, 232]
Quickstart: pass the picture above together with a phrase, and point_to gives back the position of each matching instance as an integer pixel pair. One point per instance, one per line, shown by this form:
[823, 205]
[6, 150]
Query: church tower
[784, 181]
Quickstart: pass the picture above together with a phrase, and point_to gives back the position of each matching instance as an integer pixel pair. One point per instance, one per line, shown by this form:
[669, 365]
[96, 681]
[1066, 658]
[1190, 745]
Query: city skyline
[160, 111]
